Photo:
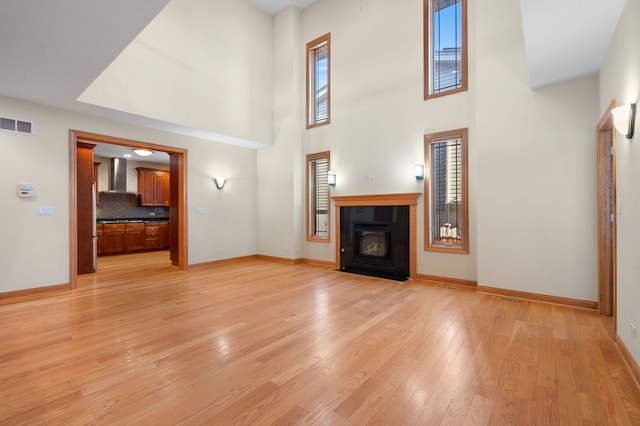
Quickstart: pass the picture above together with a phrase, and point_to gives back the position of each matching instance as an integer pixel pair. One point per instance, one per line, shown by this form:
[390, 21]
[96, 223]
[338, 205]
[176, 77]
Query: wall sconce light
[219, 181]
[624, 118]
[331, 178]
[418, 170]
[142, 152]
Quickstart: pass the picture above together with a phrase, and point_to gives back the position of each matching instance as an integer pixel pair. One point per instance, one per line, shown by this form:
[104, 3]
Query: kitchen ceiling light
[143, 152]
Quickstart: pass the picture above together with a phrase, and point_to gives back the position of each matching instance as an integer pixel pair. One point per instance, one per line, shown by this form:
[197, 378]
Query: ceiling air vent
[16, 126]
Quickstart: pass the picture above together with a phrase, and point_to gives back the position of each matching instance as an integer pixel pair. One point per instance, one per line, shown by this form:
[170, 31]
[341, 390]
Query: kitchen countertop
[133, 220]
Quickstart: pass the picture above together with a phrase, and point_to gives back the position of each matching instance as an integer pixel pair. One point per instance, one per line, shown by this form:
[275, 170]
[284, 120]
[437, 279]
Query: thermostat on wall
[25, 190]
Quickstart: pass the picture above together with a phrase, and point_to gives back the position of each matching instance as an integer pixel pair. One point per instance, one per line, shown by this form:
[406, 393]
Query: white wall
[620, 80]
[35, 250]
[378, 115]
[536, 168]
[200, 63]
[279, 215]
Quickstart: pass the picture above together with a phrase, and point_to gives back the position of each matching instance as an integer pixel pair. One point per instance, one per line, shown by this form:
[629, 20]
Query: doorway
[177, 205]
[606, 198]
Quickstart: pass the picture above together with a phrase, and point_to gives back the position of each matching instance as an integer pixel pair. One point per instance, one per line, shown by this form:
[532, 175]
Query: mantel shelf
[405, 199]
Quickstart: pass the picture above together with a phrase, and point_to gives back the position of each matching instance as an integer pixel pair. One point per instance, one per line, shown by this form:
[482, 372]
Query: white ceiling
[116, 151]
[53, 50]
[567, 39]
[273, 7]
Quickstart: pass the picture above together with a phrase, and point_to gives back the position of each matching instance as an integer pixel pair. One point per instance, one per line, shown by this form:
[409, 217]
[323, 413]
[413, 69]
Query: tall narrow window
[445, 47]
[318, 197]
[318, 88]
[447, 219]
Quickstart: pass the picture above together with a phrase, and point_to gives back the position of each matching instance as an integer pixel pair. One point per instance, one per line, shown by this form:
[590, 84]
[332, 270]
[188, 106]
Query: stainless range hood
[118, 176]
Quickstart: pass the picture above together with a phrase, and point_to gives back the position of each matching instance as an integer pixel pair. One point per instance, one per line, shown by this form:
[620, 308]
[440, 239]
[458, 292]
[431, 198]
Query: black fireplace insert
[374, 240]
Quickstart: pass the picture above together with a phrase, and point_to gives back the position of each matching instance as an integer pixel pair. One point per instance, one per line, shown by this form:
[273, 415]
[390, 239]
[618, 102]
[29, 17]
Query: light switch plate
[44, 211]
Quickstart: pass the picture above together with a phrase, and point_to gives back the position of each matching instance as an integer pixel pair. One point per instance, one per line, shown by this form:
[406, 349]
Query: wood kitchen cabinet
[164, 234]
[157, 235]
[134, 236]
[99, 234]
[153, 186]
[113, 236]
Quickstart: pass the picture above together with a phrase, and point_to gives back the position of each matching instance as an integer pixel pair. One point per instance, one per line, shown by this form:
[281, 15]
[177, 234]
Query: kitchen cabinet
[134, 236]
[99, 231]
[164, 234]
[113, 235]
[157, 235]
[127, 237]
[153, 186]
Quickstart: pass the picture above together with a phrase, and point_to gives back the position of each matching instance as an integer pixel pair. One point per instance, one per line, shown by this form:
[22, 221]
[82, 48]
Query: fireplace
[372, 261]
[374, 240]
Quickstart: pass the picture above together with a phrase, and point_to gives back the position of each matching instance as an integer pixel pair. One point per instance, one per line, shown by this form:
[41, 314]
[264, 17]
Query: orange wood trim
[405, 199]
[465, 53]
[76, 136]
[413, 243]
[278, 259]
[230, 261]
[309, 208]
[32, 293]
[429, 245]
[311, 45]
[337, 234]
[235, 260]
[447, 280]
[630, 363]
[607, 297]
[318, 263]
[183, 236]
[606, 121]
[535, 297]
[73, 209]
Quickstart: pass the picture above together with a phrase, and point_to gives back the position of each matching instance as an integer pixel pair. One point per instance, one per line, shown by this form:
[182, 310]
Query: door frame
[606, 190]
[180, 200]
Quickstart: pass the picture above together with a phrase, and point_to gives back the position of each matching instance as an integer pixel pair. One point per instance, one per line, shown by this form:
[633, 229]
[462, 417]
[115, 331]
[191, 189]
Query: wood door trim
[408, 199]
[604, 126]
[78, 137]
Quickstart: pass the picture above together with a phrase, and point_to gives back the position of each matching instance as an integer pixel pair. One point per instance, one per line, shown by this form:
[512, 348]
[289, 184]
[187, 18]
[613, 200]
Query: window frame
[312, 47]
[310, 233]
[428, 52]
[429, 235]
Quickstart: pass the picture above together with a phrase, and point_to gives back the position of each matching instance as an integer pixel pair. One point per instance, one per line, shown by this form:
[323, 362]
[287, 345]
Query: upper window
[318, 98]
[445, 47]
[447, 219]
[318, 197]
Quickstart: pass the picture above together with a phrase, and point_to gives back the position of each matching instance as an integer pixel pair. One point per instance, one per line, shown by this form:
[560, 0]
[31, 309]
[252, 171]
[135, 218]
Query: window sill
[443, 248]
[314, 239]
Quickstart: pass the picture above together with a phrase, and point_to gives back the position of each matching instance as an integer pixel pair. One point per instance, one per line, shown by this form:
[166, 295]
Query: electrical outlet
[633, 329]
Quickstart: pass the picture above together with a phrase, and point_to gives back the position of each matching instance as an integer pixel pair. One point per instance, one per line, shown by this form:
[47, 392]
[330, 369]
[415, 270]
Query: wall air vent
[16, 126]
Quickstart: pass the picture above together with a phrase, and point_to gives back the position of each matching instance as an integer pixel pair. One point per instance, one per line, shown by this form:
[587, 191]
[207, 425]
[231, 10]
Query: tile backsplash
[118, 205]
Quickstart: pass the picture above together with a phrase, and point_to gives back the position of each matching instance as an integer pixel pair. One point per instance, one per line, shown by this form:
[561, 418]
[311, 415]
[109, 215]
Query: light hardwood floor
[259, 342]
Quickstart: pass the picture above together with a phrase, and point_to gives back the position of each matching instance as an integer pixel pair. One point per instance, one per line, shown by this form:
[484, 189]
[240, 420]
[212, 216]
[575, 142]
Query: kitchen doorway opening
[177, 195]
